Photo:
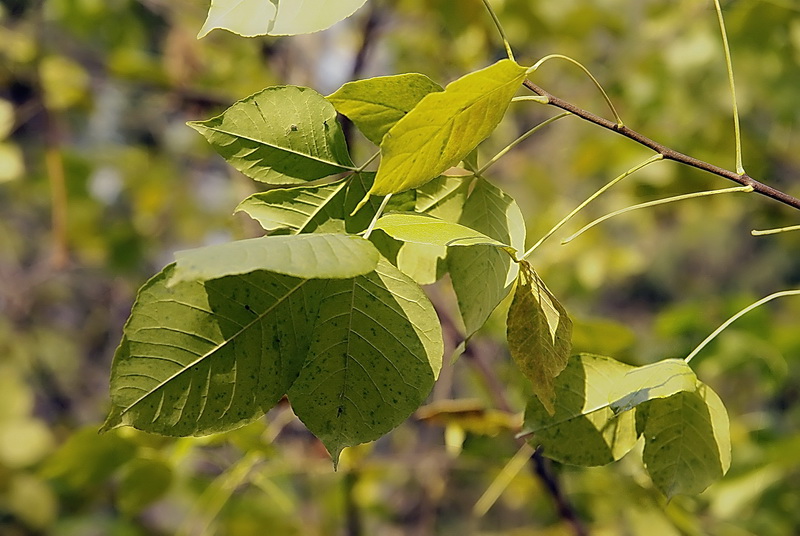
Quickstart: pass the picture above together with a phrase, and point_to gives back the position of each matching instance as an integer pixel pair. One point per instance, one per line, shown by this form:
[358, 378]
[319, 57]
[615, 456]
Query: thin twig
[666, 152]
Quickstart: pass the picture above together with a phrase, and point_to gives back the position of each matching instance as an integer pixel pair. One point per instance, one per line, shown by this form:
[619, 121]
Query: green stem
[516, 464]
[559, 225]
[377, 215]
[775, 231]
[617, 118]
[519, 140]
[738, 315]
[729, 66]
[656, 203]
[368, 162]
[500, 29]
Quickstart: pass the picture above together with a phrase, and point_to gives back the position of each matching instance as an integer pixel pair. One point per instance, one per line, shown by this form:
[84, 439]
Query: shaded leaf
[308, 256]
[583, 430]
[202, 358]
[250, 18]
[470, 415]
[425, 229]
[374, 105]
[483, 275]
[143, 482]
[376, 351]
[280, 135]
[687, 441]
[658, 380]
[445, 127]
[539, 334]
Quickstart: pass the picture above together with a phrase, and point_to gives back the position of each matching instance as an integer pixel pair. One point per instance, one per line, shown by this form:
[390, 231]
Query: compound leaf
[280, 135]
[376, 351]
[374, 105]
[687, 441]
[539, 334]
[202, 358]
[321, 256]
[583, 430]
[483, 275]
[658, 380]
[445, 127]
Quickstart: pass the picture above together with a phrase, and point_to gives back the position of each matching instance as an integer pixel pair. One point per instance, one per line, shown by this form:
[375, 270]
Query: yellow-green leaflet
[445, 126]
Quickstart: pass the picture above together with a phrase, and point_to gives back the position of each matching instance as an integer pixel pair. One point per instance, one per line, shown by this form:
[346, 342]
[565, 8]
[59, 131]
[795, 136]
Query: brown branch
[666, 152]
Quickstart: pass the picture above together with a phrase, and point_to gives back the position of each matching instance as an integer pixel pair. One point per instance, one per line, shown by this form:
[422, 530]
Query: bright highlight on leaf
[687, 441]
[281, 135]
[374, 105]
[445, 127]
[424, 229]
[583, 430]
[308, 256]
[250, 18]
[659, 380]
[539, 335]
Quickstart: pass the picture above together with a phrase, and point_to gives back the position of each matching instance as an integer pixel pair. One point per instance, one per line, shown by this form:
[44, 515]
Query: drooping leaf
[308, 256]
[250, 18]
[583, 430]
[374, 105]
[483, 275]
[539, 334]
[443, 197]
[376, 351]
[658, 380]
[425, 229]
[198, 358]
[687, 441]
[280, 135]
[445, 127]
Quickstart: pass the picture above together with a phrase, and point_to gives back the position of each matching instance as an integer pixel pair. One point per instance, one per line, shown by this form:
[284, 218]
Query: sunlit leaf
[374, 105]
[281, 135]
[250, 18]
[376, 351]
[687, 441]
[658, 380]
[424, 229]
[202, 358]
[583, 430]
[539, 334]
[445, 127]
[483, 275]
[322, 256]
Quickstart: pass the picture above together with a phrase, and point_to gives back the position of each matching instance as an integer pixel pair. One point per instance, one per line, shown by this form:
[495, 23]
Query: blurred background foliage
[101, 181]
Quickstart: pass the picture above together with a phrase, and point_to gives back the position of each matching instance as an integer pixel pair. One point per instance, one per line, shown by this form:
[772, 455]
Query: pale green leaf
[539, 334]
[658, 380]
[202, 358]
[687, 441]
[308, 256]
[250, 18]
[483, 275]
[376, 351]
[374, 105]
[280, 135]
[425, 229]
[583, 430]
[445, 127]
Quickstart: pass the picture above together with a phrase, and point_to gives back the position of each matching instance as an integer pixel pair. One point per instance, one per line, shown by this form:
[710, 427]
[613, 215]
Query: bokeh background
[101, 181]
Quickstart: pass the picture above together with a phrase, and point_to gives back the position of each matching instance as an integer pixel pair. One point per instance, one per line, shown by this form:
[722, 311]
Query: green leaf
[483, 275]
[202, 358]
[687, 441]
[87, 459]
[143, 482]
[250, 18]
[658, 380]
[425, 229]
[374, 105]
[539, 334]
[280, 135]
[376, 351]
[583, 430]
[445, 127]
[308, 256]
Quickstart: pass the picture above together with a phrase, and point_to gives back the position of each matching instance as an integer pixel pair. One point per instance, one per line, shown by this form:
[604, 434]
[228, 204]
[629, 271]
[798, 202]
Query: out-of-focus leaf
[539, 334]
[374, 105]
[469, 415]
[87, 459]
[143, 482]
